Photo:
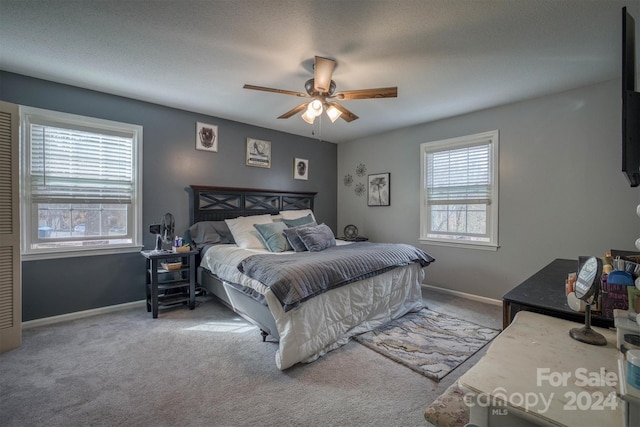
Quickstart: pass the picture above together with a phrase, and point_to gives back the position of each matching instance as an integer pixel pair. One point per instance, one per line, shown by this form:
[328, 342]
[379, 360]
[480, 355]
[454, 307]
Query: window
[459, 197]
[81, 189]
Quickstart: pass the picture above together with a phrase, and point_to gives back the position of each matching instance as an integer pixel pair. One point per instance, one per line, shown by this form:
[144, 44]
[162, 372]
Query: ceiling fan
[322, 92]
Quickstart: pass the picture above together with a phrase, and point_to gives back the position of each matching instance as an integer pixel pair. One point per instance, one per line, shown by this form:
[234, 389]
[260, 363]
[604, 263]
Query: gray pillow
[305, 220]
[316, 238]
[210, 232]
[292, 237]
[273, 236]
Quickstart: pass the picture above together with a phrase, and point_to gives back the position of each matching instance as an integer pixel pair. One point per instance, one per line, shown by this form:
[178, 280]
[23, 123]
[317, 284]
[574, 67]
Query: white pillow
[244, 233]
[297, 214]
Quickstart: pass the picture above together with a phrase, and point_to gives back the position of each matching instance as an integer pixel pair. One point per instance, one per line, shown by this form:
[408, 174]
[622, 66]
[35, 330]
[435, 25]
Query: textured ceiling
[447, 57]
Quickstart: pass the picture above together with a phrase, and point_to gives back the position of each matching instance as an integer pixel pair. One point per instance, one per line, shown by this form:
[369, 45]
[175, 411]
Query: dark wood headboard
[220, 203]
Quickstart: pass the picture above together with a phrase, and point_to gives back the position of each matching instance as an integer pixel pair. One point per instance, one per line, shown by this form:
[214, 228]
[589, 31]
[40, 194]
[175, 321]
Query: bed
[306, 326]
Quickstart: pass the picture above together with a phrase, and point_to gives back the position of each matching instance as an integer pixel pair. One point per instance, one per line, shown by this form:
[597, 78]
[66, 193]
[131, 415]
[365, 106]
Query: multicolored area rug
[430, 343]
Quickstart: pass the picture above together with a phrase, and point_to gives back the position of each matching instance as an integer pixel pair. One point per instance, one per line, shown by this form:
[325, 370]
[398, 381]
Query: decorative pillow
[295, 214]
[292, 237]
[449, 408]
[210, 232]
[316, 238]
[273, 236]
[244, 233]
[223, 230]
[305, 220]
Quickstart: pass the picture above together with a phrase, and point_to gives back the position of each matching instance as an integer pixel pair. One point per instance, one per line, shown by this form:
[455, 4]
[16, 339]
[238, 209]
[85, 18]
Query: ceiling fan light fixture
[333, 113]
[315, 107]
[308, 117]
[320, 88]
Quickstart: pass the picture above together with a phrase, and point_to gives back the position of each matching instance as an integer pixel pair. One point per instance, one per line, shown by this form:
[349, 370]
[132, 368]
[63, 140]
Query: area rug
[428, 342]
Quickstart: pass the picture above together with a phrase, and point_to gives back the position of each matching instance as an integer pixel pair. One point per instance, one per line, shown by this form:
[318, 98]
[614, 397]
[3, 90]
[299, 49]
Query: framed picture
[379, 189]
[300, 169]
[206, 137]
[258, 153]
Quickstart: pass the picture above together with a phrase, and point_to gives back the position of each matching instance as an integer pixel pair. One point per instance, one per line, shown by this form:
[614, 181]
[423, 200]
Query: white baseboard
[81, 314]
[141, 303]
[464, 295]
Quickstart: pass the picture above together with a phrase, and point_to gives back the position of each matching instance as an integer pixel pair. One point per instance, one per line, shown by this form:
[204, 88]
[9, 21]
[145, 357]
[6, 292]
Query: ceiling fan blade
[294, 111]
[346, 115]
[322, 72]
[381, 92]
[281, 91]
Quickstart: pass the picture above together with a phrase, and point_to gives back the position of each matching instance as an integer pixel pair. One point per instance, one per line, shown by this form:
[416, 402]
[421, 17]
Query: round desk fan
[166, 232]
[350, 232]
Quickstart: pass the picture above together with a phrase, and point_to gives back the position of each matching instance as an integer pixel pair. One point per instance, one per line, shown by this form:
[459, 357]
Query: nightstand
[353, 239]
[166, 287]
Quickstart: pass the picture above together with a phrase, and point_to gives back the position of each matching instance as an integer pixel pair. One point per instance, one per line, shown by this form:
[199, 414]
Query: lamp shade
[308, 117]
[315, 107]
[333, 113]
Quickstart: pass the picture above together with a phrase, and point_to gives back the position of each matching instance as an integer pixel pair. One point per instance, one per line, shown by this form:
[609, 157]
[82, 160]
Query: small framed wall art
[379, 189]
[300, 169]
[206, 137]
[258, 153]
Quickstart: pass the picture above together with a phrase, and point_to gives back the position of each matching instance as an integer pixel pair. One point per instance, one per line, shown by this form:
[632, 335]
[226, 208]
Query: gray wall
[562, 193]
[52, 287]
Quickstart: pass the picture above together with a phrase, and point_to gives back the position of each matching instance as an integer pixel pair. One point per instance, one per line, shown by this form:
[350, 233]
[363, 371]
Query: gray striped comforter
[296, 277]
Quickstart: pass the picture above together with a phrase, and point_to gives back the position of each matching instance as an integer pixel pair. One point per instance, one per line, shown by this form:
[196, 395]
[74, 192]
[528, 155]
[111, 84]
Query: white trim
[492, 138]
[81, 314]
[461, 244]
[465, 295]
[82, 252]
[30, 115]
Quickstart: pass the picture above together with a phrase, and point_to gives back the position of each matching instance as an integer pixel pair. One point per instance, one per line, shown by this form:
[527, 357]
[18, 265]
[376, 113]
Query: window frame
[490, 138]
[29, 213]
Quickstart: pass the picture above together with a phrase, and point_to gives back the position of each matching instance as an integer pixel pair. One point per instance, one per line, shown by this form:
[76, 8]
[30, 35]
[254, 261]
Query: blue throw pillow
[316, 238]
[305, 220]
[273, 236]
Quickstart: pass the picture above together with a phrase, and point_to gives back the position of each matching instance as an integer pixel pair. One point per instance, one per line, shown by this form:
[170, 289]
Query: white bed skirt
[327, 321]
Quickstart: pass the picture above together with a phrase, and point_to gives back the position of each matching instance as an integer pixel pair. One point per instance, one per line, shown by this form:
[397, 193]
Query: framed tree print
[379, 189]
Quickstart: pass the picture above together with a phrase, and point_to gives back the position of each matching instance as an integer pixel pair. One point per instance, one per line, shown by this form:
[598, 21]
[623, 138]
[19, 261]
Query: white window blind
[459, 191]
[461, 175]
[81, 185]
[76, 166]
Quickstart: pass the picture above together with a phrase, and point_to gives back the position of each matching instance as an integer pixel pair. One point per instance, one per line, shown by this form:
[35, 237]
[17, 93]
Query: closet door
[10, 269]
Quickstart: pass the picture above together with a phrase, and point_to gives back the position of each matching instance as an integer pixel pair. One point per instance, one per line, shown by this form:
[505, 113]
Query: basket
[172, 265]
[181, 249]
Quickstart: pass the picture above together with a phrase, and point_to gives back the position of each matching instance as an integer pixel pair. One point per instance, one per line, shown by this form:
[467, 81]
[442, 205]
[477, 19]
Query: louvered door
[10, 277]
